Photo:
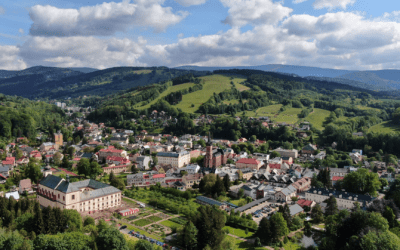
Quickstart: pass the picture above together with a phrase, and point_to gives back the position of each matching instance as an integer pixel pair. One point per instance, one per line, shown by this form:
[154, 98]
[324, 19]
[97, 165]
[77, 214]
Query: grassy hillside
[213, 84]
[165, 93]
[385, 128]
[289, 116]
[317, 118]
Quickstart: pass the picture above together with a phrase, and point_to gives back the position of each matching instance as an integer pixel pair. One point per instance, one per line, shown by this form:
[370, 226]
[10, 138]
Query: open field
[263, 111]
[142, 222]
[242, 245]
[317, 118]
[167, 92]
[239, 232]
[239, 86]
[289, 116]
[385, 128]
[170, 224]
[213, 84]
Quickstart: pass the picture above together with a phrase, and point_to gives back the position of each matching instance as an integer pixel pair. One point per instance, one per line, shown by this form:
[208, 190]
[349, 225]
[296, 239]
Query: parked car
[123, 227]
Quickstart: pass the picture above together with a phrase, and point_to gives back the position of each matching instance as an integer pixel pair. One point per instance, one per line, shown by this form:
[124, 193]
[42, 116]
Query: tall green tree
[34, 172]
[264, 231]
[209, 223]
[279, 227]
[218, 187]
[38, 219]
[227, 182]
[331, 206]
[316, 214]
[111, 239]
[362, 181]
[187, 237]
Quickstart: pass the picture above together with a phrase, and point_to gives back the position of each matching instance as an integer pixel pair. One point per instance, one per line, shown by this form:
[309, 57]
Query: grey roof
[252, 204]
[208, 201]
[338, 170]
[68, 187]
[345, 195]
[4, 169]
[289, 190]
[87, 195]
[295, 209]
[171, 154]
[51, 181]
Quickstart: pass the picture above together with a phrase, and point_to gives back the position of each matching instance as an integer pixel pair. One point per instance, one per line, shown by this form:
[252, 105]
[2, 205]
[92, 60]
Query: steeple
[209, 143]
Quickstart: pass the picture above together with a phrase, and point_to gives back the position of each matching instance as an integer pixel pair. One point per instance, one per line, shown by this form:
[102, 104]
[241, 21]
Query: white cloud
[2, 11]
[103, 20]
[332, 4]
[9, 58]
[298, 1]
[21, 31]
[187, 3]
[255, 12]
[82, 51]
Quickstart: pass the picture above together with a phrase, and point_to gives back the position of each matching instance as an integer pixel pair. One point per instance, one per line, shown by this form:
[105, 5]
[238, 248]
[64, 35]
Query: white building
[174, 159]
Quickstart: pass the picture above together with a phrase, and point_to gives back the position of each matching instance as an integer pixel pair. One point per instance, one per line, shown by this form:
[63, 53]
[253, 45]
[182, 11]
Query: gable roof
[51, 181]
[248, 161]
[295, 209]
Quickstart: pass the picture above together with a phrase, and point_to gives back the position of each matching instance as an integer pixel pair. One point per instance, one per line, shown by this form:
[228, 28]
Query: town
[151, 185]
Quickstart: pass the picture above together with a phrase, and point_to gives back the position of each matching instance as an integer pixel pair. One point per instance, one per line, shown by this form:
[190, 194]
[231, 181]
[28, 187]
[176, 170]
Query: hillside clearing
[213, 84]
[317, 118]
[385, 128]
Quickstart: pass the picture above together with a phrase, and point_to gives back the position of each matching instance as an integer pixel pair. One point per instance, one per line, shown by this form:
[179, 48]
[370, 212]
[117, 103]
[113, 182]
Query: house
[287, 152]
[47, 146]
[117, 169]
[191, 168]
[5, 171]
[339, 172]
[9, 162]
[145, 180]
[287, 160]
[343, 199]
[13, 194]
[303, 184]
[180, 185]
[309, 149]
[111, 151]
[306, 203]
[129, 211]
[83, 196]
[143, 162]
[25, 185]
[358, 134]
[248, 163]
[275, 163]
[295, 210]
[118, 160]
[356, 157]
[357, 151]
[286, 194]
[3, 179]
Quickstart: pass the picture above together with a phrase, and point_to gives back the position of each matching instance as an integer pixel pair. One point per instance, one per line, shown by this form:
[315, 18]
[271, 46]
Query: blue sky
[345, 34]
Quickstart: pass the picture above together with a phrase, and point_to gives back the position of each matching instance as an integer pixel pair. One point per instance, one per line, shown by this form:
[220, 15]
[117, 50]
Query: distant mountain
[84, 70]
[383, 80]
[52, 83]
[279, 68]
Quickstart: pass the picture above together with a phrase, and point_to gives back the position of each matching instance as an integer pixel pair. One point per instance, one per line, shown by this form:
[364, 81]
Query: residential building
[5, 171]
[343, 199]
[286, 194]
[275, 163]
[174, 159]
[111, 151]
[287, 152]
[191, 169]
[306, 203]
[46, 146]
[248, 163]
[117, 169]
[58, 138]
[303, 184]
[145, 180]
[309, 149]
[82, 196]
[296, 209]
[143, 162]
[118, 160]
[25, 185]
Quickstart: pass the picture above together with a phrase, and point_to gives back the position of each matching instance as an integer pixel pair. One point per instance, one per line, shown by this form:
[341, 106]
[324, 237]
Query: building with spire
[214, 157]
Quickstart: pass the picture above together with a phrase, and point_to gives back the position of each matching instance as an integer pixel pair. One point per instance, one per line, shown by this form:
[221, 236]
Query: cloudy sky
[345, 34]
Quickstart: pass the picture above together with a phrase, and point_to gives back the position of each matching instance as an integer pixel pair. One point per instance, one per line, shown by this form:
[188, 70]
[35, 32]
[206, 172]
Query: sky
[340, 34]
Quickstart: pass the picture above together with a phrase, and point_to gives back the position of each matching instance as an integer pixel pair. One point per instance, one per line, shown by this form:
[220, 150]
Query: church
[214, 158]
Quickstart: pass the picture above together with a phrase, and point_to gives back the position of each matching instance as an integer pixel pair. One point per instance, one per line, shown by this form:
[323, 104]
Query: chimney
[67, 178]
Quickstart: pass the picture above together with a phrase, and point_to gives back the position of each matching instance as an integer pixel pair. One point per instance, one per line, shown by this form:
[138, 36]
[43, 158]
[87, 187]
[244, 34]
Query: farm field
[317, 118]
[213, 84]
[385, 128]
[165, 93]
[171, 224]
[142, 222]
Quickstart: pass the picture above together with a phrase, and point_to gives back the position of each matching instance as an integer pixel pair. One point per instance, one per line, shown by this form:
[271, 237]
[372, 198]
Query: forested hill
[56, 83]
[22, 117]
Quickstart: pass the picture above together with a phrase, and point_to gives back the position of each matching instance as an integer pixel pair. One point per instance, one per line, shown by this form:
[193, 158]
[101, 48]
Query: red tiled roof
[303, 203]
[337, 178]
[248, 161]
[111, 150]
[3, 176]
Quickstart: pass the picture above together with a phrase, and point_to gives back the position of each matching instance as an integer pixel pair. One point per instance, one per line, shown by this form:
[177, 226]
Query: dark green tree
[331, 206]
[227, 182]
[111, 239]
[209, 223]
[187, 237]
[316, 214]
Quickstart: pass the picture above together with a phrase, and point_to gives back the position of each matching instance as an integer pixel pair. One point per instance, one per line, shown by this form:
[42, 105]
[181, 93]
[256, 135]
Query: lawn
[213, 84]
[289, 116]
[167, 92]
[171, 224]
[317, 118]
[385, 128]
[270, 111]
[239, 232]
[291, 246]
[242, 245]
[321, 226]
[236, 202]
[154, 218]
[142, 222]
[239, 86]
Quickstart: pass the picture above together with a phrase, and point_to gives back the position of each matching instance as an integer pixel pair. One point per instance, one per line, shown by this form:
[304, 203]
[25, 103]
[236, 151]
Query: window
[73, 197]
[63, 198]
[58, 196]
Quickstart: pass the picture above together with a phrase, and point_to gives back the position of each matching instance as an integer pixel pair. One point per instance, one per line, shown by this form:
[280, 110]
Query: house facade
[88, 195]
[174, 159]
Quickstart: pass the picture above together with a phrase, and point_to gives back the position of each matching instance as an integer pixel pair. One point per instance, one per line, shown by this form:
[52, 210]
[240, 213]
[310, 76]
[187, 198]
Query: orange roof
[248, 161]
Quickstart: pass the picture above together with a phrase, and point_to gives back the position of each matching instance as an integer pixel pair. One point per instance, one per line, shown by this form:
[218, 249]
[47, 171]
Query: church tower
[208, 160]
